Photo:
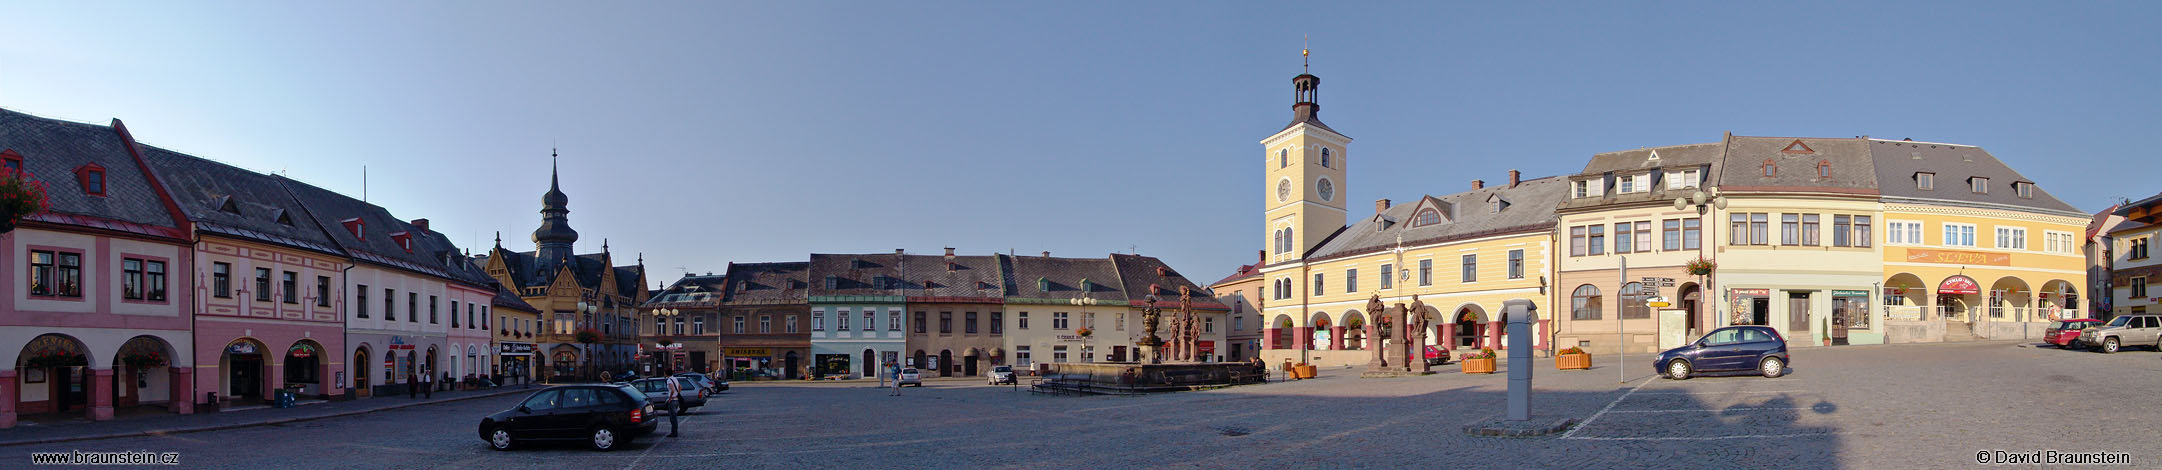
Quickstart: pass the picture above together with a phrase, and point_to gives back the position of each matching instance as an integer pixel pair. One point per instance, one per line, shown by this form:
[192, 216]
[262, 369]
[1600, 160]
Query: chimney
[421, 224]
[898, 251]
[949, 259]
[1476, 184]
[1261, 257]
[1515, 177]
[1381, 205]
[1046, 254]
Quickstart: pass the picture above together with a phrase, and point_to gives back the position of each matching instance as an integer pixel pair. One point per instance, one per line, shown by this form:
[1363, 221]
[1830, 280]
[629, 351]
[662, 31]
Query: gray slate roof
[970, 276]
[1529, 207]
[692, 291]
[1898, 161]
[1703, 157]
[1851, 170]
[53, 149]
[261, 209]
[1040, 277]
[1140, 273]
[768, 283]
[855, 274]
[430, 255]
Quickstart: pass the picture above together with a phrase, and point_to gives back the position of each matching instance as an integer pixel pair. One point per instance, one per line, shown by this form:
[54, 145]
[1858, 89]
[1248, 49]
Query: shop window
[1584, 303]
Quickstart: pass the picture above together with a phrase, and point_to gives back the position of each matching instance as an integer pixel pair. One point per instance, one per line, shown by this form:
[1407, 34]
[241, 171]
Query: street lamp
[1704, 200]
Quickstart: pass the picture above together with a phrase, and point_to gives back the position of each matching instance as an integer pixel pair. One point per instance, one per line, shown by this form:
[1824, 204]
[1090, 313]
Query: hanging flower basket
[1084, 332]
[20, 195]
[143, 360]
[46, 359]
[588, 336]
[1700, 267]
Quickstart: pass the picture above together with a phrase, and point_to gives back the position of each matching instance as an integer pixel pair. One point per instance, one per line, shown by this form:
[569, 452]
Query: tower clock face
[1327, 189]
[1283, 190]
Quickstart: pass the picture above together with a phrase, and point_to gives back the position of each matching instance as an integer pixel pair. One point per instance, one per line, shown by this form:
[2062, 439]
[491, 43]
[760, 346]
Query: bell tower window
[1325, 158]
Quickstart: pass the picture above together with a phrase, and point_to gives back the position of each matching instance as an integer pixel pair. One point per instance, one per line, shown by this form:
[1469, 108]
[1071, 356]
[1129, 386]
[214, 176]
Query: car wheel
[604, 439]
[1773, 367]
[499, 438]
[1678, 369]
[2109, 345]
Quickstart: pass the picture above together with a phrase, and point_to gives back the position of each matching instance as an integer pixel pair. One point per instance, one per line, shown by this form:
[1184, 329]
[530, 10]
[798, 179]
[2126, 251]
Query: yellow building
[1971, 246]
[1461, 254]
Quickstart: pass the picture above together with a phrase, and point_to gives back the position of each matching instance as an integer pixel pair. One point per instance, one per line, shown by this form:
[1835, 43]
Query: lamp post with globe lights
[1705, 200]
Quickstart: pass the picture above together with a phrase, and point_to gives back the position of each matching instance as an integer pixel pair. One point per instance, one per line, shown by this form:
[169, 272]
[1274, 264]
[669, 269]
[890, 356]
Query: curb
[219, 427]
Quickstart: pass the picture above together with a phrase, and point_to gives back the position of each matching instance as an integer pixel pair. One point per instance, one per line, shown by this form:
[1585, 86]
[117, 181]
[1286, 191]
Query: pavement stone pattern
[1900, 406]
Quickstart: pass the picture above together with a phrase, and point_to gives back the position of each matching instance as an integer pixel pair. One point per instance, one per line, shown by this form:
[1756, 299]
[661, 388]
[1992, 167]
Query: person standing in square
[675, 404]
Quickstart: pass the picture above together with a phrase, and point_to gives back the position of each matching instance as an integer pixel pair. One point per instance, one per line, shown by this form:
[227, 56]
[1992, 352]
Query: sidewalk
[79, 429]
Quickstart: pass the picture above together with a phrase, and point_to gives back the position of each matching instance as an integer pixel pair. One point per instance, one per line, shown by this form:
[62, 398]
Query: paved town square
[1925, 406]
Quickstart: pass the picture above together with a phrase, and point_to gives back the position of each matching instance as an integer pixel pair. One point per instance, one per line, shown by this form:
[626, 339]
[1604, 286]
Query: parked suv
[1002, 375]
[2128, 330]
[607, 417]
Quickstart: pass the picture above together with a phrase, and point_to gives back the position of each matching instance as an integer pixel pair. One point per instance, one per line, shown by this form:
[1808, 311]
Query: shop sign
[1070, 338]
[1754, 292]
[668, 347]
[301, 350]
[398, 342]
[1959, 285]
[1918, 255]
[242, 347]
[746, 352]
[1206, 345]
[1850, 293]
[517, 349]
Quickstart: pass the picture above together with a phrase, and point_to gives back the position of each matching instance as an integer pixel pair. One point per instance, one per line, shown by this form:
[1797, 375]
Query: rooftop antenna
[363, 183]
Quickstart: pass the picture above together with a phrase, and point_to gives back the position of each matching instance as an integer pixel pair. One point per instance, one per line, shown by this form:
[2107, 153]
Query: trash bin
[210, 401]
[284, 399]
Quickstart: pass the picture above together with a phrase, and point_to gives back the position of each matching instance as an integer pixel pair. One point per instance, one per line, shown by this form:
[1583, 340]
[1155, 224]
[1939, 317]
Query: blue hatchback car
[1730, 349]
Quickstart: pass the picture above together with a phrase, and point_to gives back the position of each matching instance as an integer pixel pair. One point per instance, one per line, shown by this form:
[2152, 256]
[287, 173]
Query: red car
[2065, 334]
[1437, 356]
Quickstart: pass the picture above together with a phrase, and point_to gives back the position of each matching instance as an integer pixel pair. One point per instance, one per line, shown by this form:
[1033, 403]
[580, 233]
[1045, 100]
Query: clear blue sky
[701, 132]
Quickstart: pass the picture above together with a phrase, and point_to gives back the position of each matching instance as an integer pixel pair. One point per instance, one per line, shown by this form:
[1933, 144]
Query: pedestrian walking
[896, 380]
[675, 404]
[411, 384]
[427, 385]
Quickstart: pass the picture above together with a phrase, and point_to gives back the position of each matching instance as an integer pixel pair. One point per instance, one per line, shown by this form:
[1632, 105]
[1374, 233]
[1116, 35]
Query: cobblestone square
[1907, 406]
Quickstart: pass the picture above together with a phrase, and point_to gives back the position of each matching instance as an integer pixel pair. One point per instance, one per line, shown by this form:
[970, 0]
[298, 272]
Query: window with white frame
[893, 320]
[698, 325]
[1586, 188]
[1020, 356]
[1902, 232]
[1958, 234]
[1058, 353]
[840, 320]
[739, 324]
[1979, 184]
[870, 319]
[2012, 238]
[2059, 242]
[1683, 179]
[1058, 320]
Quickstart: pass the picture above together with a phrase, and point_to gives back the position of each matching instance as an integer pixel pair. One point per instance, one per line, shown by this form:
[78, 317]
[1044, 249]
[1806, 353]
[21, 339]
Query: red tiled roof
[1244, 271]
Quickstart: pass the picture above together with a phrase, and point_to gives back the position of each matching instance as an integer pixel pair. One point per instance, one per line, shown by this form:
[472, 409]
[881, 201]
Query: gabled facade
[858, 313]
[1628, 197]
[765, 314]
[2133, 269]
[682, 325]
[96, 287]
[952, 303]
[573, 292]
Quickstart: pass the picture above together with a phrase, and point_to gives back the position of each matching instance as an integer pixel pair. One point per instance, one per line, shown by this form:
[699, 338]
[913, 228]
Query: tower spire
[1304, 53]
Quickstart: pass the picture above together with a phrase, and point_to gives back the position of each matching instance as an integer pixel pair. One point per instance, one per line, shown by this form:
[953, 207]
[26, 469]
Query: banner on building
[1919, 255]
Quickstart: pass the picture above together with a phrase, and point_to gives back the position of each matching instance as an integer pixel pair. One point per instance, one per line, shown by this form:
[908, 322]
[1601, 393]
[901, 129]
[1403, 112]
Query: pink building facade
[93, 309]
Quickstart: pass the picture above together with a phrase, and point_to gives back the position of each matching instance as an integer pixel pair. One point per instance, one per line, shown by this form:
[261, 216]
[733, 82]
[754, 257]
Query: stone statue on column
[1417, 339]
[1400, 347]
[1189, 333]
[1374, 310]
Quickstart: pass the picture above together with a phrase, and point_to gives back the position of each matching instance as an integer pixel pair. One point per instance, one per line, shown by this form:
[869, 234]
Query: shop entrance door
[1760, 311]
[247, 376]
[1798, 316]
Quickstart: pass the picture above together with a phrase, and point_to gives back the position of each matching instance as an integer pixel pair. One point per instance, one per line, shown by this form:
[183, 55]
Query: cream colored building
[2134, 271]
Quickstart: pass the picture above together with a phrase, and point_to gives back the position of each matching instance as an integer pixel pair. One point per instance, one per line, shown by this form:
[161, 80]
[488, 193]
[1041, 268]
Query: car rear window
[630, 393]
[2071, 325]
[1752, 335]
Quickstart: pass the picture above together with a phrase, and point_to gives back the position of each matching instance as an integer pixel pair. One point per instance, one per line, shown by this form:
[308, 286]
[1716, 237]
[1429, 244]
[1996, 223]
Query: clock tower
[1304, 164]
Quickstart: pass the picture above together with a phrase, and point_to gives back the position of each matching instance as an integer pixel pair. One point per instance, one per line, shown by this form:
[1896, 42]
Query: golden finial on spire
[1304, 53]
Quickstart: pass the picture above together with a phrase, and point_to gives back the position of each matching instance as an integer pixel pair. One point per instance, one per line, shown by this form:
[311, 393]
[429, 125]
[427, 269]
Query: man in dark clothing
[412, 385]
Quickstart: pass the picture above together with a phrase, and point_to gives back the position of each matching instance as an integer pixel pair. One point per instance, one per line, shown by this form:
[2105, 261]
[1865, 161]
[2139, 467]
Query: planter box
[1478, 366]
[1572, 362]
[1306, 371]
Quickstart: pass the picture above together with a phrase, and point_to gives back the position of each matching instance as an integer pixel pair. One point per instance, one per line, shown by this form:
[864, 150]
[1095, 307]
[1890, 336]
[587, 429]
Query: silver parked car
[2124, 331]
[656, 390]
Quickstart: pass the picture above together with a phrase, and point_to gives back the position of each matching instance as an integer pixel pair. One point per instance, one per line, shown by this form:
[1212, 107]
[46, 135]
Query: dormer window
[1426, 217]
[833, 282]
[1978, 184]
[1824, 169]
[1687, 178]
[11, 161]
[2025, 189]
[284, 218]
[1586, 188]
[1925, 181]
[1771, 170]
[1628, 184]
[404, 240]
[92, 178]
[1654, 156]
[1088, 285]
[227, 205]
[357, 227]
[1043, 285]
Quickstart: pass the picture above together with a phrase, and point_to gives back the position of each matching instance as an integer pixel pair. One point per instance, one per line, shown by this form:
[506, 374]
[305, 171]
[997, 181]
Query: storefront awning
[1959, 285]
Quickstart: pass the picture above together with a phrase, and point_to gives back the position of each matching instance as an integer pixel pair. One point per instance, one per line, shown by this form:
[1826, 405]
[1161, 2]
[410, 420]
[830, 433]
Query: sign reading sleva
[1918, 255]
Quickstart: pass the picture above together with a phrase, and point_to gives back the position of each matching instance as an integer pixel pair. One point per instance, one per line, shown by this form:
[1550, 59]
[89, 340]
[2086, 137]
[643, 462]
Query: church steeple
[554, 238]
